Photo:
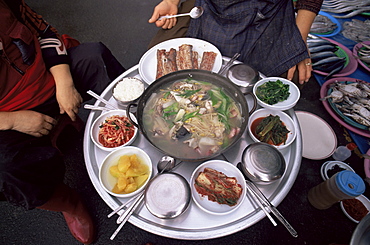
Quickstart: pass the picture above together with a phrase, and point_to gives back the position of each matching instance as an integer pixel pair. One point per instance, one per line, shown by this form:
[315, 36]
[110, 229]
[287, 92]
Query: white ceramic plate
[330, 165]
[227, 169]
[318, 138]
[107, 181]
[287, 120]
[287, 104]
[364, 201]
[148, 62]
[94, 132]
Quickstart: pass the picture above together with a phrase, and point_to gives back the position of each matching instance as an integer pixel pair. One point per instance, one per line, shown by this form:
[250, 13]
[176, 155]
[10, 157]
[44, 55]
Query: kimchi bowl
[113, 130]
[218, 169]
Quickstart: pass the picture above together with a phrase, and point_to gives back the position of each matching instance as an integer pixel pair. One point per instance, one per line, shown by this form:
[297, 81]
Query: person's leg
[93, 67]
[179, 30]
[30, 169]
[31, 176]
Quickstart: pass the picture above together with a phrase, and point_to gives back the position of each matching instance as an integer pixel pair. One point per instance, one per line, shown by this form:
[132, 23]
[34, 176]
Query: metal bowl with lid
[263, 163]
[168, 195]
[243, 76]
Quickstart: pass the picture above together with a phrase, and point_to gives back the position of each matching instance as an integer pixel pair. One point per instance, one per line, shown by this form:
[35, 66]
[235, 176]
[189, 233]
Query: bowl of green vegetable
[276, 93]
[273, 127]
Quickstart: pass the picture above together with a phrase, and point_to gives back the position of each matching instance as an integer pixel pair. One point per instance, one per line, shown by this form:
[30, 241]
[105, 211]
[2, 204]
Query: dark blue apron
[263, 32]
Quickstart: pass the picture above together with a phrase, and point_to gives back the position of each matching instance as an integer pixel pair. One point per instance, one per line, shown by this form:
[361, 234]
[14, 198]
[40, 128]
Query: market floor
[122, 26]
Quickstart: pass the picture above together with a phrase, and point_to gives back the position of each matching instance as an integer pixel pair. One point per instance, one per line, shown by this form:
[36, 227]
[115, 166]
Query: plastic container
[342, 153]
[343, 185]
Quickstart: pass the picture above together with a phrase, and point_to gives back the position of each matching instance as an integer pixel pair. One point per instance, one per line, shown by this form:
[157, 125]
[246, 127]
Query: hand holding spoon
[194, 13]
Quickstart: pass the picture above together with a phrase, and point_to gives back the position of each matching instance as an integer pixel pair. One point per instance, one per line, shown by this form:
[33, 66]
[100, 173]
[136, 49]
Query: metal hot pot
[201, 75]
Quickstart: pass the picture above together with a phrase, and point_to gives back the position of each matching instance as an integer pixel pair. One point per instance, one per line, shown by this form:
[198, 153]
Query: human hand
[69, 101]
[162, 9]
[304, 71]
[32, 122]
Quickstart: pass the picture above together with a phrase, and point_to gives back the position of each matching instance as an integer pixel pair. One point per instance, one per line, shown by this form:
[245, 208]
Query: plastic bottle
[343, 185]
[342, 153]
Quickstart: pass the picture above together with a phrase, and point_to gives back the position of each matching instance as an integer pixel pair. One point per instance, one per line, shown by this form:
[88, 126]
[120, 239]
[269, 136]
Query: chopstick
[259, 202]
[92, 107]
[122, 206]
[272, 208]
[101, 99]
[228, 64]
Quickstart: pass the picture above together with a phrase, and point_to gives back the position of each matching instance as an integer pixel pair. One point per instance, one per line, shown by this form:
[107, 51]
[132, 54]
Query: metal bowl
[122, 90]
[243, 76]
[168, 195]
[263, 163]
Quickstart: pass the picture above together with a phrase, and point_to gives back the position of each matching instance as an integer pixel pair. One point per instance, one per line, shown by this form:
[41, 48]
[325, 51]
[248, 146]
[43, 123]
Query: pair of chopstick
[229, 64]
[101, 99]
[263, 199]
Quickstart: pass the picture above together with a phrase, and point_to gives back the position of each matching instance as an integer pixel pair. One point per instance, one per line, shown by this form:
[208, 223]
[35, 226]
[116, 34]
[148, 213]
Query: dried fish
[322, 24]
[357, 30]
[352, 99]
[352, 7]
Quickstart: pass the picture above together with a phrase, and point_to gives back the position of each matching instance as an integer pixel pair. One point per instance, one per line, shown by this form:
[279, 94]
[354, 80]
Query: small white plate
[330, 165]
[364, 201]
[213, 207]
[148, 62]
[318, 138]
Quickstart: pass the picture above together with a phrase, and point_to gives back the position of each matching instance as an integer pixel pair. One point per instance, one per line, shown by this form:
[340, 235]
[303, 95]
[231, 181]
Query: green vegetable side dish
[273, 92]
[271, 130]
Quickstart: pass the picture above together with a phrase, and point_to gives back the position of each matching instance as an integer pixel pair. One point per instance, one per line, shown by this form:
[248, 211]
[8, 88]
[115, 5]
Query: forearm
[6, 119]
[172, 1]
[304, 21]
[62, 76]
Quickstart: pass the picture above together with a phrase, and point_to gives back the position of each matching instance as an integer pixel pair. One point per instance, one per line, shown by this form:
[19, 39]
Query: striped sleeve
[310, 5]
[52, 47]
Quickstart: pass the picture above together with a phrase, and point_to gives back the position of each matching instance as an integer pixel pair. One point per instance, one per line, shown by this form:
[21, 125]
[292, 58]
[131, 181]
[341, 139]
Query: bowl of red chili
[113, 130]
[273, 127]
[356, 209]
[218, 187]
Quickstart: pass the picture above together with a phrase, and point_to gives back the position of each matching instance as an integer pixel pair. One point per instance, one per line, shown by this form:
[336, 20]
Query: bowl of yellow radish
[125, 171]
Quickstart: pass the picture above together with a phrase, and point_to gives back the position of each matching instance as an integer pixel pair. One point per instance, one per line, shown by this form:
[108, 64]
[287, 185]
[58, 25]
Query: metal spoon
[194, 13]
[166, 163]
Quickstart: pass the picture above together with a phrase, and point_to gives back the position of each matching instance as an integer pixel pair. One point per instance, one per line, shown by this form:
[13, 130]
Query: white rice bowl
[128, 89]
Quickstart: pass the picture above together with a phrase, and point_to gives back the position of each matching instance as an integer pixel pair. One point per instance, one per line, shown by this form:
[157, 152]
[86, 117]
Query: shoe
[79, 221]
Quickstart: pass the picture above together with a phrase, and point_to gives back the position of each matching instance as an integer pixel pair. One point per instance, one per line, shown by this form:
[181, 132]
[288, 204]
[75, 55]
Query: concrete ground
[122, 26]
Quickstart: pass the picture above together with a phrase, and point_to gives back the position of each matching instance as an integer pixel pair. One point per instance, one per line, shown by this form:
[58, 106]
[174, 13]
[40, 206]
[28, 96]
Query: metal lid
[263, 162]
[243, 75]
[168, 195]
[350, 183]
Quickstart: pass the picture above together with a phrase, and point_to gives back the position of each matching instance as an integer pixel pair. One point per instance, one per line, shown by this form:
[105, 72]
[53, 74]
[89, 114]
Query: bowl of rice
[128, 90]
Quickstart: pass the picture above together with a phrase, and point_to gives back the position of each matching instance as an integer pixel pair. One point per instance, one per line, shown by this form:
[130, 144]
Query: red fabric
[69, 42]
[37, 84]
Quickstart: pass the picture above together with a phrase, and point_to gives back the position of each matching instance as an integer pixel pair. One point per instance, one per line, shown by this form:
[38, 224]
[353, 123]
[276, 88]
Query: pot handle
[129, 114]
[254, 102]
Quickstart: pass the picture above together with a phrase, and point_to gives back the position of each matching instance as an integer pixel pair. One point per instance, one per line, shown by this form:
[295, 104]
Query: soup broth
[191, 119]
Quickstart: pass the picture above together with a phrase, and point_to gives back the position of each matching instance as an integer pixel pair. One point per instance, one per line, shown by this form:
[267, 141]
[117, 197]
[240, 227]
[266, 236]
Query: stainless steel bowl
[168, 195]
[263, 163]
[243, 76]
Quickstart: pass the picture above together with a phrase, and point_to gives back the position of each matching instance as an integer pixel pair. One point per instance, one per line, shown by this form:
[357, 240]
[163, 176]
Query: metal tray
[194, 224]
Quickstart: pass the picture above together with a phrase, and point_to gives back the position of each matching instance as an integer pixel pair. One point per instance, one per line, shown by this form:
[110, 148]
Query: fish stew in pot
[193, 115]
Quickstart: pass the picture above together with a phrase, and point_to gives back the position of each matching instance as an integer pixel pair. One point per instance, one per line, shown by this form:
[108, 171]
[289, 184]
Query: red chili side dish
[115, 131]
[218, 187]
